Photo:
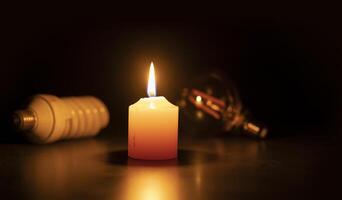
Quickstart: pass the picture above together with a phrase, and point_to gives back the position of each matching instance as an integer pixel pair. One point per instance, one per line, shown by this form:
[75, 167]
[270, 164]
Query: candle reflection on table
[150, 183]
[100, 169]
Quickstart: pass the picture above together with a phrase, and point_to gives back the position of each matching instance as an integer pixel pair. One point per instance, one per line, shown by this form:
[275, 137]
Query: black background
[285, 59]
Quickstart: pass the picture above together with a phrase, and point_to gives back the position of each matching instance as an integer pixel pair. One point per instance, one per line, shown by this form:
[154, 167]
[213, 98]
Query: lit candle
[152, 126]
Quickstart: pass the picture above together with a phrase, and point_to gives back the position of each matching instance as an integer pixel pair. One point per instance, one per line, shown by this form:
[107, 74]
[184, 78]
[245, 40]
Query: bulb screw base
[24, 120]
[254, 129]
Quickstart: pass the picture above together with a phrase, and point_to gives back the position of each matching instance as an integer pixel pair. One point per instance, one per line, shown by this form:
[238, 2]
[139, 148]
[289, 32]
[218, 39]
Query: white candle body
[153, 129]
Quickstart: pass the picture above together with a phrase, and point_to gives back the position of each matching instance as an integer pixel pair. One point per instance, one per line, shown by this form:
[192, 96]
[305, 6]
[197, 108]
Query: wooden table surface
[211, 168]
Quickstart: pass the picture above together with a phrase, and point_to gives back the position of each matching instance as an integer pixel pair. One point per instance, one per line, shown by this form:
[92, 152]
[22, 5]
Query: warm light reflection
[151, 184]
[199, 99]
[58, 169]
[198, 177]
[151, 86]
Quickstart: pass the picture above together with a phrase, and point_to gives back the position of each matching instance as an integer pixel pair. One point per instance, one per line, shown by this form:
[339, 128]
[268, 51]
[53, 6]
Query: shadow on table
[185, 157]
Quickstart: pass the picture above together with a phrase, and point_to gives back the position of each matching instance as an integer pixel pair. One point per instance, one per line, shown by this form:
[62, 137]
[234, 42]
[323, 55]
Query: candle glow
[152, 126]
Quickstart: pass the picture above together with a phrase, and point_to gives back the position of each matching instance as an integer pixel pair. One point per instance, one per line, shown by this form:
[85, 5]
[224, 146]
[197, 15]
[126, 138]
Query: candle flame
[151, 87]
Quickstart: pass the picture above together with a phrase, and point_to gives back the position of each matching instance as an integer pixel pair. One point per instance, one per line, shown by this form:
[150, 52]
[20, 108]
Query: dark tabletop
[214, 168]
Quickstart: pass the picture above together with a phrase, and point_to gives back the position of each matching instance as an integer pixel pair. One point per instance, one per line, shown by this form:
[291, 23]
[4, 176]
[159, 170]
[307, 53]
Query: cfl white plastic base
[52, 118]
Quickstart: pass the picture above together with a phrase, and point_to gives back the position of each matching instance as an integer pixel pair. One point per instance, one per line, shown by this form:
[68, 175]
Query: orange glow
[150, 184]
[199, 99]
[152, 126]
[153, 129]
[151, 87]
